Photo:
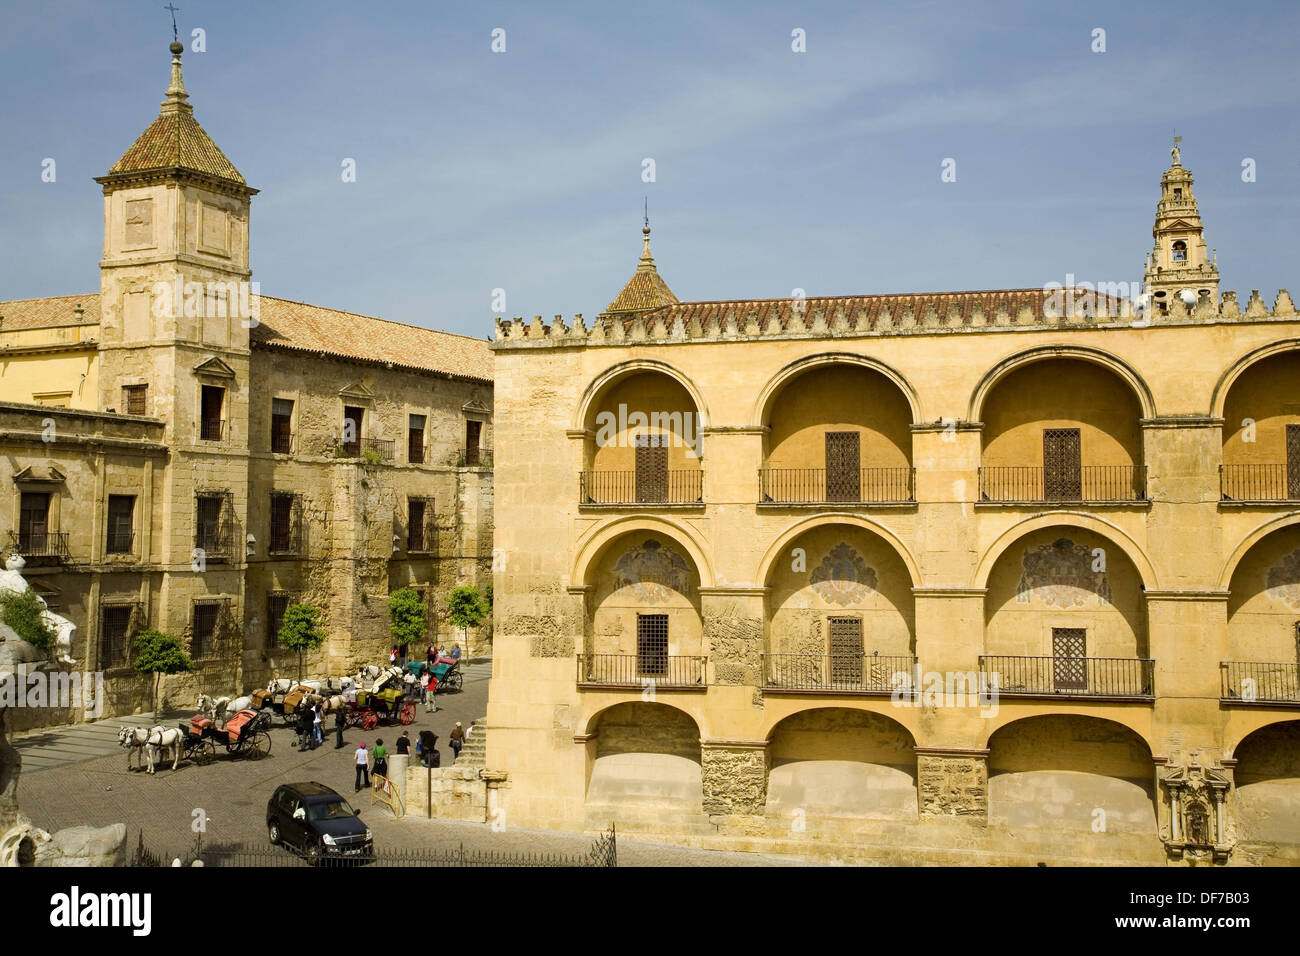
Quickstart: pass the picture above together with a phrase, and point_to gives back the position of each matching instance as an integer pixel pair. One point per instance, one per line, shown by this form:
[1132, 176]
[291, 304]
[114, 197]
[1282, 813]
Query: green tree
[301, 630]
[158, 653]
[407, 616]
[466, 608]
[22, 612]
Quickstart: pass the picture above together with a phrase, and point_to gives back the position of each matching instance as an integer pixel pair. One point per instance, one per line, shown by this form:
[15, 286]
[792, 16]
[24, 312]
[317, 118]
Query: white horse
[238, 704]
[162, 740]
[332, 703]
[136, 740]
[213, 708]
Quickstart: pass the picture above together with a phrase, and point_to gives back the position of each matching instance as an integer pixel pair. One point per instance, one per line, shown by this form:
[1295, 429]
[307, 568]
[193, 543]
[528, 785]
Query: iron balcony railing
[213, 541]
[40, 544]
[856, 486]
[678, 486]
[478, 458]
[211, 429]
[1032, 484]
[1263, 482]
[1250, 681]
[282, 443]
[119, 542]
[642, 670]
[841, 673]
[382, 447]
[1070, 676]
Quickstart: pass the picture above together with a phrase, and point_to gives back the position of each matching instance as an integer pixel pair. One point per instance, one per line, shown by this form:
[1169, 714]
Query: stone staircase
[474, 753]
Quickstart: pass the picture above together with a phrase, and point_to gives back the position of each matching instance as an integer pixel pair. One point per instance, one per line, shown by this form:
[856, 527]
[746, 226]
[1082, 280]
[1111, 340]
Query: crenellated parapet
[885, 315]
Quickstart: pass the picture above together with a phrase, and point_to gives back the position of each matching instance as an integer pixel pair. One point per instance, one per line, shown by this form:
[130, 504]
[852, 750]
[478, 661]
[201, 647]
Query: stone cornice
[735, 744]
[958, 592]
[952, 425]
[1187, 595]
[950, 752]
[1182, 421]
[744, 591]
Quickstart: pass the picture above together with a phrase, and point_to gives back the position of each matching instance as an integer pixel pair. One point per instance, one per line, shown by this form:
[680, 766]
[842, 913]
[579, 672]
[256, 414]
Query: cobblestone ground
[79, 776]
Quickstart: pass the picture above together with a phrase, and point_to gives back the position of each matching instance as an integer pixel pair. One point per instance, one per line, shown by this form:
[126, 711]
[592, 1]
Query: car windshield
[330, 810]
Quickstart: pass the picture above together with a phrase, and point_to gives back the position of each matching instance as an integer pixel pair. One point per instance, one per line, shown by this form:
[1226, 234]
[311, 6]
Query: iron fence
[212, 429]
[1259, 482]
[119, 542]
[40, 544]
[1070, 676]
[1030, 483]
[1250, 681]
[861, 486]
[603, 852]
[676, 486]
[640, 670]
[845, 673]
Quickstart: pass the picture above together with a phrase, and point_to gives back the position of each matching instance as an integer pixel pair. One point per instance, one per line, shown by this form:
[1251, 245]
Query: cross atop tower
[174, 10]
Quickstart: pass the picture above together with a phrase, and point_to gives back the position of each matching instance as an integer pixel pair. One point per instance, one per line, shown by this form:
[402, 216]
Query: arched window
[1180, 251]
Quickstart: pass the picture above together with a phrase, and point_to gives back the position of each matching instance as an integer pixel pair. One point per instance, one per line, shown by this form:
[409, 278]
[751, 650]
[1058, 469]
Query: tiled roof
[49, 312]
[176, 139]
[645, 290]
[283, 324]
[296, 326]
[861, 312]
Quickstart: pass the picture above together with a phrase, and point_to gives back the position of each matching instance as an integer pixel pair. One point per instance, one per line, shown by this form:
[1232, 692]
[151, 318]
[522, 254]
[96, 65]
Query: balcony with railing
[282, 442]
[46, 546]
[845, 674]
[673, 487]
[213, 541]
[1259, 483]
[1105, 678]
[212, 429]
[476, 458]
[636, 671]
[812, 486]
[119, 543]
[380, 448]
[1030, 484]
[1255, 682]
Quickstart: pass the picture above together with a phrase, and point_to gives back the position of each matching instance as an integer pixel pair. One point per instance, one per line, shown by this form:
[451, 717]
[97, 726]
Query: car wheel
[273, 831]
[313, 854]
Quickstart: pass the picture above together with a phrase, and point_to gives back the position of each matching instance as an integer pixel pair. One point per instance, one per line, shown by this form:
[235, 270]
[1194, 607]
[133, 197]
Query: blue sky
[775, 170]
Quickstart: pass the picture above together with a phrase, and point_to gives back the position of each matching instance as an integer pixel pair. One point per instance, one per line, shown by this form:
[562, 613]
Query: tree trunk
[300, 665]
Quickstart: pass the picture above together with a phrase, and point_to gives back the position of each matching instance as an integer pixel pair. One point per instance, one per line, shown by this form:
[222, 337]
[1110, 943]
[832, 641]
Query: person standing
[361, 756]
[380, 753]
[317, 726]
[303, 722]
[455, 651]
[430, 655]
[404, 743]
[424, 686]
[431, 705]
[392, 656]
[456, 739]
[340, 721]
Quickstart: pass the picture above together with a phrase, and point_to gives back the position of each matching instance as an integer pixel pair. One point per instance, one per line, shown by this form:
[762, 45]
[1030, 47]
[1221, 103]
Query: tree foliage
[466, 607]
[159, 653]
[407, 616]
[22, 612]
[301, 629]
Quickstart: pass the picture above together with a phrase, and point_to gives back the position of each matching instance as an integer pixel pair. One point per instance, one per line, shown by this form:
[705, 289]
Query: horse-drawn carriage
[446, 670]
[387, 706]
[244, 735]
[283, 698]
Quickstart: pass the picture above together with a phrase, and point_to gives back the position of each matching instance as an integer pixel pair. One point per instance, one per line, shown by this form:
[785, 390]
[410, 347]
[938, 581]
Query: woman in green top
[380, 753]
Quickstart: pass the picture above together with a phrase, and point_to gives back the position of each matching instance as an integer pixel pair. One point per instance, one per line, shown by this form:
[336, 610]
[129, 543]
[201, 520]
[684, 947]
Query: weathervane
[647, 212]
[174, 10]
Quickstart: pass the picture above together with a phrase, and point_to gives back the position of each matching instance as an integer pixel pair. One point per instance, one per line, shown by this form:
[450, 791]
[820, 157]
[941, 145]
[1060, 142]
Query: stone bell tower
[1178, 264]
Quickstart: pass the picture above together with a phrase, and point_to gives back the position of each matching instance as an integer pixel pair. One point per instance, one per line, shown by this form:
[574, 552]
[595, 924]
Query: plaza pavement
[77, 775]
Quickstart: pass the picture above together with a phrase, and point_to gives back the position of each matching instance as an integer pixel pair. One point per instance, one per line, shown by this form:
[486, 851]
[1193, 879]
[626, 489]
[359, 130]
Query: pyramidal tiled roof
[646, 289]
[175, 139]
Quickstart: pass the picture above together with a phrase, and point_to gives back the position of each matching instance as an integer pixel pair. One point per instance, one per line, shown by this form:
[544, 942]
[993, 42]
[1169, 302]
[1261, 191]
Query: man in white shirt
[362, 757]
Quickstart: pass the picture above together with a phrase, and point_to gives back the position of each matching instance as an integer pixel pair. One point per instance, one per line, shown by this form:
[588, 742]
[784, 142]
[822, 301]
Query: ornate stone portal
[1198, 827]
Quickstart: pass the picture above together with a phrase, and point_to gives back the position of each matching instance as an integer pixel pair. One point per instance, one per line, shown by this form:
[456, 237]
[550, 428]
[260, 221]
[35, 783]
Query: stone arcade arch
[835, 763]
[1264, 606]
[1267, 778]
[1064, 773]
[644, 764]
[1261, 427]
[1122, 369]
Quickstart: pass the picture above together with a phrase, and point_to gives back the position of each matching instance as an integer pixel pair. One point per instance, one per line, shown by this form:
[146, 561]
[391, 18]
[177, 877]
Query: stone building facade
[1007, 576]
[180, 451]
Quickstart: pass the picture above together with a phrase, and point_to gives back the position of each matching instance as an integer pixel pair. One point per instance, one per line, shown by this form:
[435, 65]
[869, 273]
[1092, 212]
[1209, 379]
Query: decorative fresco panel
[843, 577]
[653, 572]
[1284, 580]
[1061, 574]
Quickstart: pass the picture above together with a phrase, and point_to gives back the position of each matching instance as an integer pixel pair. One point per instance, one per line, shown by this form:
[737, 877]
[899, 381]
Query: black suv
[318, 823]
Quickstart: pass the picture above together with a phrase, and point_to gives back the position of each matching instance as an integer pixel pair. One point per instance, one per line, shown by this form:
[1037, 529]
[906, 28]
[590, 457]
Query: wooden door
[843, 466]
[33, 521]
[1062, 468]
[651, 468]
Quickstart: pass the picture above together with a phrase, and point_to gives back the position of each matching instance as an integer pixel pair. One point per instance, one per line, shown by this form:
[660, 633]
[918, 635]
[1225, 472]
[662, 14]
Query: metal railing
[40, 544]
[1029, 483]
[634, 670]
[1261, 482]
[383, 447]
[483, 459]
[678, 486]
[212, 541]
[282, 443]
[842, 673]
[1250, 681]
[119, 542]
[809, 486]
[212, 429]
[1070, 676]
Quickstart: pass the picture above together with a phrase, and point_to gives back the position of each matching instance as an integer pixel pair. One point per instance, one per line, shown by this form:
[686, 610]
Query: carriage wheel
[259, 746]
[370, 721]
[204, 752]
[407, 715]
